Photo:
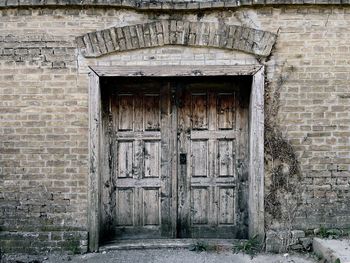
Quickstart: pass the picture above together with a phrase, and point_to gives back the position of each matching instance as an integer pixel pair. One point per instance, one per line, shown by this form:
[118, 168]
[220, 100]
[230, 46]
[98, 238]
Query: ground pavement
[164, 256]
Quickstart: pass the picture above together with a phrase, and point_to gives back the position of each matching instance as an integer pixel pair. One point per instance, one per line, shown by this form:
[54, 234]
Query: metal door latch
[183, 158]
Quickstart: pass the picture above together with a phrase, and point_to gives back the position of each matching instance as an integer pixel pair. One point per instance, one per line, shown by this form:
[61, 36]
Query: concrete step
[332, 250]
[223, 244]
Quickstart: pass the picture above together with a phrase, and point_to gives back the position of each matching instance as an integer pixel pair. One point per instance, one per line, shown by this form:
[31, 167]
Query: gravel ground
[160, 256]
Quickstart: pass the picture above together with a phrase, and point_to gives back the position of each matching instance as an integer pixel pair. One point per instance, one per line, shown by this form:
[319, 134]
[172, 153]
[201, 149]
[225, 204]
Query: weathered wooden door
[178, 159]
[142, 174]
[211, 141]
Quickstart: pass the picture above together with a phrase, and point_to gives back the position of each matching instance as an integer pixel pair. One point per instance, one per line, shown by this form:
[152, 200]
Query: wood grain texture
[183, 180]
[151, 158]
[167, 161]
[125, 154]
[225, 111]
[207, 133]
[143, 180]
[226, 157]
[199, 203]
[171, 71]
[199, 112]
[126, 105]
[95, 162]
[226, 203]
[151, 206]
[107, 180]
[125, 206]
[256, 153]
[151, 112]
[199, 158]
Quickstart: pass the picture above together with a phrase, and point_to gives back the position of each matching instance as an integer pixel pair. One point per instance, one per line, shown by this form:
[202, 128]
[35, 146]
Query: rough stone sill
[166, 4]
[167, 243]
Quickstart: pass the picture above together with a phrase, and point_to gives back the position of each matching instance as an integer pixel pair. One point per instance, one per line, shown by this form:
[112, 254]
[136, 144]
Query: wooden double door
[178, 158]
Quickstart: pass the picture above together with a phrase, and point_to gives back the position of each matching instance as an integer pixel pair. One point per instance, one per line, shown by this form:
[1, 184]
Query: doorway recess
[169, 150]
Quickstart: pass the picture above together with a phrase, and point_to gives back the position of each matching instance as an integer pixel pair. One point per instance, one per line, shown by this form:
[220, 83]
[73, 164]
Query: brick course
[44, 114]
[167, 5]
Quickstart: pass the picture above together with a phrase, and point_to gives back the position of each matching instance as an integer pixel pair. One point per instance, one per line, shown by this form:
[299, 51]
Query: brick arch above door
[176, 32]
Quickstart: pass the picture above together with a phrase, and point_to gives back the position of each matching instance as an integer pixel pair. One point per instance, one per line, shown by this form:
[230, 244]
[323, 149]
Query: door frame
[98, 142]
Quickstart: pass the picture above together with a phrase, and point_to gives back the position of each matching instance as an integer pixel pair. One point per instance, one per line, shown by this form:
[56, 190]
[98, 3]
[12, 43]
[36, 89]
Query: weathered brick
[183, 33]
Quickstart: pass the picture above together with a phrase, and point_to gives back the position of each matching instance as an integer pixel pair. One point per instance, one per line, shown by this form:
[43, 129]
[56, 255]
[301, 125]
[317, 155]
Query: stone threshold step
[221, 244]
[332, 250]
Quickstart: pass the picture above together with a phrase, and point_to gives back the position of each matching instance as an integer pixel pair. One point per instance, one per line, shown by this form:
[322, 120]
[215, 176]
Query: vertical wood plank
[108, 196]
[226, 158]
[174, 157]
[199, 114]
[125, 159]
[113, 156]
[212, 110]
[242, 153]
[94, 169]
[225, 111]
[184, 170]
[212, 155]
[138, 156]
[256, 158]
[137, 168]
[167, 161]
[138, 174]
[150, 206]
[199, 204]
[138, 206]
[151, 112]
[126, 112]
[213, 206]
[125, 207]
[114, 108]
[226, 206]
[199, 158]
[151, 158]
[138, 112]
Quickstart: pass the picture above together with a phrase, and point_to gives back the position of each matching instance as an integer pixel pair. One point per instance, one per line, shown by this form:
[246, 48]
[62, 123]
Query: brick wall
[44, 114]
[167, 4]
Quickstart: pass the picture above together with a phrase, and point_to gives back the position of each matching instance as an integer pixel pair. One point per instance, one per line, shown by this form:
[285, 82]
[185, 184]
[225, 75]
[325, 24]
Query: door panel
[226, 158]
[125, 206]
[199, 158]
[179, 154]
[151, 208]
[208, 181]
[141, 120]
